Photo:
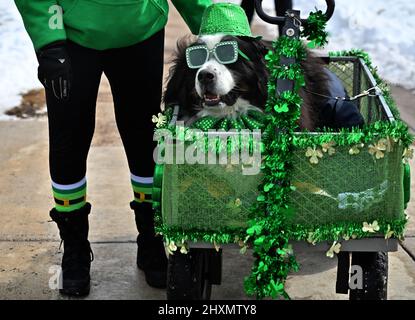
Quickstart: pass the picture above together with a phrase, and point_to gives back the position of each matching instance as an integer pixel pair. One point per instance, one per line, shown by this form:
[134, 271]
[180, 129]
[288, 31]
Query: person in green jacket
[76, 41]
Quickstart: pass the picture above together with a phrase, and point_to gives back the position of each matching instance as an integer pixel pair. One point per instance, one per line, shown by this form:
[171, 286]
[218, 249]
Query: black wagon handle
[280, 20]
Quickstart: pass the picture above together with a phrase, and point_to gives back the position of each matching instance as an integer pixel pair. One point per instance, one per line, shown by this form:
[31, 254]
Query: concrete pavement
[29, 244]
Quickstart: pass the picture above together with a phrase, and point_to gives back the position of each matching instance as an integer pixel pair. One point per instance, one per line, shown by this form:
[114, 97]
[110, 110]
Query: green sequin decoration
[224, 124]
[205, 123]
[251, 123]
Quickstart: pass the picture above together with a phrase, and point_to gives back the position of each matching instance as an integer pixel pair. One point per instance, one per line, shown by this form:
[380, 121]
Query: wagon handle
[280, 20]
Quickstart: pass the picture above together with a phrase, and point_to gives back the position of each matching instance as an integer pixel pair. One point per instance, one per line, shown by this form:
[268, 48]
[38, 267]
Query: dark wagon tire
[188, 275]
[375, 276]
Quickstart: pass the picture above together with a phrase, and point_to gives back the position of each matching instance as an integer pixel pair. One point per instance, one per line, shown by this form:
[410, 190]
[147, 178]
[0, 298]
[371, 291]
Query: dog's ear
[253, 72]
[260, 49]
[257, 49]
[181, 79]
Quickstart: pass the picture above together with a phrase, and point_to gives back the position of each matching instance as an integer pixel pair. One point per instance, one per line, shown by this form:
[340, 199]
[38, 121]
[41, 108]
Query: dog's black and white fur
[226, 90]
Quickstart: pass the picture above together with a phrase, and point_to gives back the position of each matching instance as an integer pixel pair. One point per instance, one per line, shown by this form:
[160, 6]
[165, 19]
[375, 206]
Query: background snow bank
[384, 28]
[18, 65]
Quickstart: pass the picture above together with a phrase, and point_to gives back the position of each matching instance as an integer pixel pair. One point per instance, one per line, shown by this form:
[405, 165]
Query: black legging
[135, 75]
[281, 7]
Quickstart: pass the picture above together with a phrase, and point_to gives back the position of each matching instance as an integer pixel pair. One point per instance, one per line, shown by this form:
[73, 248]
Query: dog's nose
[206, 77]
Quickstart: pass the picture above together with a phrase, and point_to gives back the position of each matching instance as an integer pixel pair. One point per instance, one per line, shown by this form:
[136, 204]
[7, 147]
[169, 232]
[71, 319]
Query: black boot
[151, 256]
[77, 256]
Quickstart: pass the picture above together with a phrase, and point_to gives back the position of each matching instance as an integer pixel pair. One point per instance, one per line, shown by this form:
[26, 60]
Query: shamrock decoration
[183, 249]
[160, 120]
[276, 288]
[408, 154]
[310, 238]
[217, 247]
[370, 227]
[389, 232]
[171, 247]
[340, 65]
[378, 149]
[335, 248]
[289, 250]
[281, 108]
[328, 147]
[234, 205]
[313, 154]
[356, 149]
[243, 246]
[243, 250]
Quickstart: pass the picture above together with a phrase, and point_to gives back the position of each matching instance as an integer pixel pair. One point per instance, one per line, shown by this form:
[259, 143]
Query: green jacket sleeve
[42, 21]
[192, 11]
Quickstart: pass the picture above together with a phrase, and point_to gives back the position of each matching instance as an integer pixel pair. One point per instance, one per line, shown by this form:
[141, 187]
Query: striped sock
[143, 188]
[69, 197]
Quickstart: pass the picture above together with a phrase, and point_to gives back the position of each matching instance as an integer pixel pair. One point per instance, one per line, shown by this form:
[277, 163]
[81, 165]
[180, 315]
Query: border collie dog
[208, 79]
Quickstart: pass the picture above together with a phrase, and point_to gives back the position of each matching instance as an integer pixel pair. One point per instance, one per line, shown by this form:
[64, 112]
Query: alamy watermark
[56, 19]
[220, 147]
[356, 277]
[56, 280]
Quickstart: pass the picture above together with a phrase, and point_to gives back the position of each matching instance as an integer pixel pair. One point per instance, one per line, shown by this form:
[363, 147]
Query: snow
[18, 65]
[384, 28]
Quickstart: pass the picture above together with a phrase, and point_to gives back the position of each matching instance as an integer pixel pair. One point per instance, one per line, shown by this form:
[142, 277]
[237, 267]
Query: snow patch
[18, 64]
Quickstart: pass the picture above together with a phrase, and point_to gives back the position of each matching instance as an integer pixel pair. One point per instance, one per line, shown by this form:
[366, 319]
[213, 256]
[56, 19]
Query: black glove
[54, 70]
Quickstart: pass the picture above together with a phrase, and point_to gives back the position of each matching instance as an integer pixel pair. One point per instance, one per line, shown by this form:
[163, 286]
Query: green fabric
[70, 208]
[146, 189]
[66, 192]
[407, 184]
[139, 201]
[226, 18]
[105, 24]
[36, 17]
[140, 184]
[67, 195]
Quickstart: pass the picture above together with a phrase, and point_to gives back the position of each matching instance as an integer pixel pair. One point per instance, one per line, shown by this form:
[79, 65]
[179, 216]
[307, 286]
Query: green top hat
[226, 18]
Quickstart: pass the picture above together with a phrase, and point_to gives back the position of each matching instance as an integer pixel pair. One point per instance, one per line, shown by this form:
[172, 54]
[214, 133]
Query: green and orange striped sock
[69, 197]
[143, 188]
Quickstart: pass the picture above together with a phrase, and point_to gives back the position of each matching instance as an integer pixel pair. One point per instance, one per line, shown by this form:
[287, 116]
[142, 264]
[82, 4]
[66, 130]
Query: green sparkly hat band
[226, 18]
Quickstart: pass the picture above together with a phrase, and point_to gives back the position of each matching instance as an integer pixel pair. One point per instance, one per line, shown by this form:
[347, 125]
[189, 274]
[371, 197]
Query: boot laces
[91, 253]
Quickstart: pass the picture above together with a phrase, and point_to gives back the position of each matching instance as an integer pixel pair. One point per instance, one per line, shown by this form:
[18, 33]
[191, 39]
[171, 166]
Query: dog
[226, 90]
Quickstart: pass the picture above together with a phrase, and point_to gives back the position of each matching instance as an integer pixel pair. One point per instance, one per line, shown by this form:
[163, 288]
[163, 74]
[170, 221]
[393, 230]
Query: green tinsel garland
[267, 226]
[315, 29]
[312, 234]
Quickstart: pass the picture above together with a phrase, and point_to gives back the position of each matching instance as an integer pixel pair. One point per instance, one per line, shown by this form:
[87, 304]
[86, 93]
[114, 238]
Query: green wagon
[348, 186]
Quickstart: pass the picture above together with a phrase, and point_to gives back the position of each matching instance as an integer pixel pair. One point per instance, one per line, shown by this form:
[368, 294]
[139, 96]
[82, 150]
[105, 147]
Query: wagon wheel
[190, 276]
[375, 275]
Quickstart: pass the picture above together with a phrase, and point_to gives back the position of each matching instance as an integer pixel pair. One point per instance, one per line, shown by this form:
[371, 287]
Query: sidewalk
[29, 243]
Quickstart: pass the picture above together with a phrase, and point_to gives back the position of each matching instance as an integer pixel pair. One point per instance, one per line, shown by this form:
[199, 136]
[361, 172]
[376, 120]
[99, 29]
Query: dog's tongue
[211, 96]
